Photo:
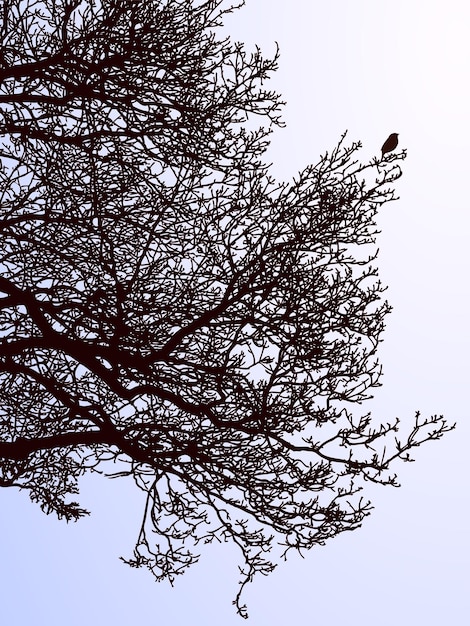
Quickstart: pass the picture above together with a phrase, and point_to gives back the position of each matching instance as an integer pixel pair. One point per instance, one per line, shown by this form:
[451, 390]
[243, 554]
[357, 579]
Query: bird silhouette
[98, 295]
[390, 144]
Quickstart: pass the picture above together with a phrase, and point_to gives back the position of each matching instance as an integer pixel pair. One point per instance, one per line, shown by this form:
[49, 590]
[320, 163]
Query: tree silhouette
[168, 310]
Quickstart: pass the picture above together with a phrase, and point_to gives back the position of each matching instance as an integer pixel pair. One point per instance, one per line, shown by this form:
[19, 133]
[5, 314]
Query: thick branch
[21, 448]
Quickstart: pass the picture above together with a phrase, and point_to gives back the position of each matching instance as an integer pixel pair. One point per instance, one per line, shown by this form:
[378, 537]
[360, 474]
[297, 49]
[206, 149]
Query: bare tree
[168, 310]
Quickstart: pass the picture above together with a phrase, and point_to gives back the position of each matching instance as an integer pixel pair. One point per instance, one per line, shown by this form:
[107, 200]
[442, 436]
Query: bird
[98, 295]
[390, 144]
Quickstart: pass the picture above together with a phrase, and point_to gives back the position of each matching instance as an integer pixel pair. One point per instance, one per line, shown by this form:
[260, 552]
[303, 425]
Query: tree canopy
[169, 310]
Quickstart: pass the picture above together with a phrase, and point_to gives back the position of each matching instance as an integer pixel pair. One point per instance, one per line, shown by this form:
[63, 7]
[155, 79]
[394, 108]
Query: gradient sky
[372, 67]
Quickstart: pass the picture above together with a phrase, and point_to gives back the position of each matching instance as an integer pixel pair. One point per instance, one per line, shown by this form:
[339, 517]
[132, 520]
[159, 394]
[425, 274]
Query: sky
[370, 67]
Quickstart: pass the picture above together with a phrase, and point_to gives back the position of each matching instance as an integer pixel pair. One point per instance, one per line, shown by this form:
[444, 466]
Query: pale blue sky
[372, 67]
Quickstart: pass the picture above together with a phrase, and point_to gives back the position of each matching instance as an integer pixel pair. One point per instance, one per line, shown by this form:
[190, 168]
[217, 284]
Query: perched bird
[98, 295]
[390, 144]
